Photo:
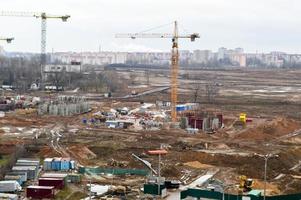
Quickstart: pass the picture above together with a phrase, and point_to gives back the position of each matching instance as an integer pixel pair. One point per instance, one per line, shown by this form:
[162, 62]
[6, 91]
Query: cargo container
[40, 192]
[65, 164]
[57, 183]
[30, 160]
[56, 164]
[31, 171]
[56, 175]
[17, 178]
[8, 196]
[22, 174]
[152, 189]
[74, 178]
[47, 164]
[72, 164]
[9, 186]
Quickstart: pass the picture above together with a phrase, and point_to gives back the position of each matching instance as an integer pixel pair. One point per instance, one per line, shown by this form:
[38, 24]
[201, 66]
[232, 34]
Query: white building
[202, 56]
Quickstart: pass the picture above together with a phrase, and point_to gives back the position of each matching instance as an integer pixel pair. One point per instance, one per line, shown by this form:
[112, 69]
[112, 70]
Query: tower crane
[43, 16]
[8, 40]
[174, 58]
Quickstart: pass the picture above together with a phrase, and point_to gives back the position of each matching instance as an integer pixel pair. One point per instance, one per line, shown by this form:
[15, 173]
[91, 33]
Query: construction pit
[227, 153]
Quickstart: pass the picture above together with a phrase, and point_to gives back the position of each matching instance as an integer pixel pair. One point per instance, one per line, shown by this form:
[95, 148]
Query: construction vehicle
[174, 59]
[245, 183]
[44, 18]
[8, 40]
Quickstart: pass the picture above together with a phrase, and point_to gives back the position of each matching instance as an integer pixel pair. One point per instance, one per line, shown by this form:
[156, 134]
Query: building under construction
[65, 106]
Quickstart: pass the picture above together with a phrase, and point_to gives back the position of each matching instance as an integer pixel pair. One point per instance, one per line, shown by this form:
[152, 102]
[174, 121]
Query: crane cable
[156, 27]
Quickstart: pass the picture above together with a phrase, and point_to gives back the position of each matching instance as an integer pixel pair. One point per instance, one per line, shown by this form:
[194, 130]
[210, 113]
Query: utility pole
[266, 157]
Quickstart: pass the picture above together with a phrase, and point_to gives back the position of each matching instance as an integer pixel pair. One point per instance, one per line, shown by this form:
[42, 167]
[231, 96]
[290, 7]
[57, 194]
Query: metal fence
[113, 171]
[197, 193]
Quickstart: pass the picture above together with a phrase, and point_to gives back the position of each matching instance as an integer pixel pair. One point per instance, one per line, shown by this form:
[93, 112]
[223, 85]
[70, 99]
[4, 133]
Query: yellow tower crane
[174, 58]
[44, 18]
[8, 40]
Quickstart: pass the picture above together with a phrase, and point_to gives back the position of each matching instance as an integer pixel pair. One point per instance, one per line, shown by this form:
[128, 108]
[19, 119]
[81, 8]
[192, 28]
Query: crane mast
[174, 73]
[44, 16]
[174, 70]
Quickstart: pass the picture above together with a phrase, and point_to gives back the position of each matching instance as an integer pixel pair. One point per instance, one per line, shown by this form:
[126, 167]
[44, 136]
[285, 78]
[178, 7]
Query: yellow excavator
[245, 184]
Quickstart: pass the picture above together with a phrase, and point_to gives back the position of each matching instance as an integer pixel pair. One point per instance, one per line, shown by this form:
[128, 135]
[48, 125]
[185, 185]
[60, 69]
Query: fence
[197, 193]
[113, 171]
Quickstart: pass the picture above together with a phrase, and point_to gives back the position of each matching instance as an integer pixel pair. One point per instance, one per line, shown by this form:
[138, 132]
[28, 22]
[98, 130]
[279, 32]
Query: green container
[74, 178]
[153, 189]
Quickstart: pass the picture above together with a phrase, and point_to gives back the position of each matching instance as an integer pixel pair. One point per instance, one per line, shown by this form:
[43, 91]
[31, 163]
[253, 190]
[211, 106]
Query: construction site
[174, 133]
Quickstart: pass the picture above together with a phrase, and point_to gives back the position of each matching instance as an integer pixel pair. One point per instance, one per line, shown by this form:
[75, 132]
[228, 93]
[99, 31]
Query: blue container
[85, 121]
[56, 164]
[65, 164]
[180, 108]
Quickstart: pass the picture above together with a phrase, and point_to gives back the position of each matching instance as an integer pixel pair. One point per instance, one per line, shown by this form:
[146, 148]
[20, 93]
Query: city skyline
[255, 25]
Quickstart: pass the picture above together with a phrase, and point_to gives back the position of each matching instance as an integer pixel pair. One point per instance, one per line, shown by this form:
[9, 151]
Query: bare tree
[211, 91]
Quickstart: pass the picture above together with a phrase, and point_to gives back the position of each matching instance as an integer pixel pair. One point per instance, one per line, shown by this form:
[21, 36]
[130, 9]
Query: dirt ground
[271, 99]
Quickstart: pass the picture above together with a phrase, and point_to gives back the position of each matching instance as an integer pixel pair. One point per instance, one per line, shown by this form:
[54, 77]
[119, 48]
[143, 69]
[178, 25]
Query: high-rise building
[202, 56]
[221, 53]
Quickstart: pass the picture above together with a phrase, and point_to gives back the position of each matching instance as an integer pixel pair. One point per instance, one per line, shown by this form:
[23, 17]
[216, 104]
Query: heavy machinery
[8, 40]
[174, 58]
[44, 18]
[245, 184]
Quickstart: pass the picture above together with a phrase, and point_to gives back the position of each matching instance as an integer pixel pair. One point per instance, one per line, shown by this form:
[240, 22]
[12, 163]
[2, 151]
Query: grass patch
[77, 196]
[62, 194]
[4, 159]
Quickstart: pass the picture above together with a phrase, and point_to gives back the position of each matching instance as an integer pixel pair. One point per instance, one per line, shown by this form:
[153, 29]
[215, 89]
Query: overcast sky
[255, 25]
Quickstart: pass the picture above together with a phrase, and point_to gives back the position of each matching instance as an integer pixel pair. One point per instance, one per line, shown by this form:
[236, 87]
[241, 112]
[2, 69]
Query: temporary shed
[40, 192]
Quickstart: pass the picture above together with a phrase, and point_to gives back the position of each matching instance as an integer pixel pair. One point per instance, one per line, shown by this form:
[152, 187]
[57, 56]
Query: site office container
[65, 164]
[22, 174]
[40, 192]
[31, 171]
[9, 186]
[8, 196]
[17, 178]
[56, 164]
[195, 122]
[57, 183]
[74, 178]
[47, 164]
[29, 164]
[56, 175]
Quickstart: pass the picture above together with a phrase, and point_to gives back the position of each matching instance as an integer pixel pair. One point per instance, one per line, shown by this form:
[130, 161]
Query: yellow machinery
[245, 184]
[243, 117]
[174, 58]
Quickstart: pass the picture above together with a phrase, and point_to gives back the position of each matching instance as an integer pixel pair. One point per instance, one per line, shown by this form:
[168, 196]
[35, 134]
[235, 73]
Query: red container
[220, 119]
[195, 123]
[249, 120]
[40, 192]
[57, 183]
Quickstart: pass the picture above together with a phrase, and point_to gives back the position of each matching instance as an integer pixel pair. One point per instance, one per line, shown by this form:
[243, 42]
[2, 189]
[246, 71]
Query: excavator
[245, 183]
